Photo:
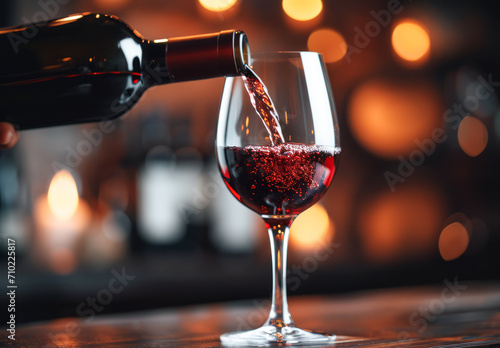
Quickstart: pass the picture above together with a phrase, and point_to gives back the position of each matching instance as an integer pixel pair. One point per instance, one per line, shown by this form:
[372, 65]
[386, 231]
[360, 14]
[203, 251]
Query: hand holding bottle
[8, 135]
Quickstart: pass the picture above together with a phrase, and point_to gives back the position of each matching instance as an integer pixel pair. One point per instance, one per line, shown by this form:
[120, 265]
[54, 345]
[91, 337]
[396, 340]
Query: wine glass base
[269, 334]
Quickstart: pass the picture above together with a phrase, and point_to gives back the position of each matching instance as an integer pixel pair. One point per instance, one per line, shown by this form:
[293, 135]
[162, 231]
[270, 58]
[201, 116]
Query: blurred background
[415, 199]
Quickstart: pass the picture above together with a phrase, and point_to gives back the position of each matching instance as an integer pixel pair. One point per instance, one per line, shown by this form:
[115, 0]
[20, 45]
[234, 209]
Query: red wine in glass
[278, 180]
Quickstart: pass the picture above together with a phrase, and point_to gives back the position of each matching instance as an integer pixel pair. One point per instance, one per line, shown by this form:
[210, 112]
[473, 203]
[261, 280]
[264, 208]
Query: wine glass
[278, 168]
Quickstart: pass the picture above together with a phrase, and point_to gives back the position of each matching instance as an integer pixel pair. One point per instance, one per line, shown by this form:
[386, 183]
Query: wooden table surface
[451, 314]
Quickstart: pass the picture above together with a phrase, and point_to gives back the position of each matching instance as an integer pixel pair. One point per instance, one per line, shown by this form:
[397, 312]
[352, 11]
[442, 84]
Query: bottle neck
[154, 67]
[197, 57]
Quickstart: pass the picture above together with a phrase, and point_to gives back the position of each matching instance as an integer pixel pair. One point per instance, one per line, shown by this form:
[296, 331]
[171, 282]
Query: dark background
[213, 250]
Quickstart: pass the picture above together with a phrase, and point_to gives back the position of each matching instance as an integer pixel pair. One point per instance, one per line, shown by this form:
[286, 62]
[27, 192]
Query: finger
[8, 135]
[14, 140]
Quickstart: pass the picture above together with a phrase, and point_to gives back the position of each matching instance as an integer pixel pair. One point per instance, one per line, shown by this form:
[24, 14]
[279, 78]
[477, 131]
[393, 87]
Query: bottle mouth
[237, 43]
[242, 50]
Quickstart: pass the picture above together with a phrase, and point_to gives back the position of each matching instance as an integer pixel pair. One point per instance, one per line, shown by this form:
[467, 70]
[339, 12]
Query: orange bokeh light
[388, 118]
[302, 10]
[111, 4]
[453, 241]
[311, 229]
[402, 225]
[63, 195]
[472, 136]
[329, 43]
[217, 5]
[62, 261]
[410, 41]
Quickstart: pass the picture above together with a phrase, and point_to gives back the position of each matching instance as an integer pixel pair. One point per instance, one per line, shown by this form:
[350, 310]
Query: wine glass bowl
[277, 154]
[279, 180]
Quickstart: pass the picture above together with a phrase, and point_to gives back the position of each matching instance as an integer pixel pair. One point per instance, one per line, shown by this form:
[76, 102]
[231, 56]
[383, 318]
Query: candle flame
[63, 195]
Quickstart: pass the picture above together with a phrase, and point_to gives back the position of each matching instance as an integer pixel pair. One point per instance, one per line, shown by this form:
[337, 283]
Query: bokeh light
[453, 241]
[472, 136]
[410, 41]
[111, 5]
[402, 225]
[63, 195]
[62, 261]
[329, 43]
[390, 118]
[217, 5]
[302, 10]
[311, 229]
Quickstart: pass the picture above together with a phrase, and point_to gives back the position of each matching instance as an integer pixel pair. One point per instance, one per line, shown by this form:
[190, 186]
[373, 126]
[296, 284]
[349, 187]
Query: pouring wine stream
[263, 105]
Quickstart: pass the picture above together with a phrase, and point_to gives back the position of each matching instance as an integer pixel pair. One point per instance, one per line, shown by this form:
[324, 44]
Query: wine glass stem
[278, 234]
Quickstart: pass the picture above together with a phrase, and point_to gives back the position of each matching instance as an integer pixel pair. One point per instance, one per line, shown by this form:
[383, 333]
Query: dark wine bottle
[93, 67]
